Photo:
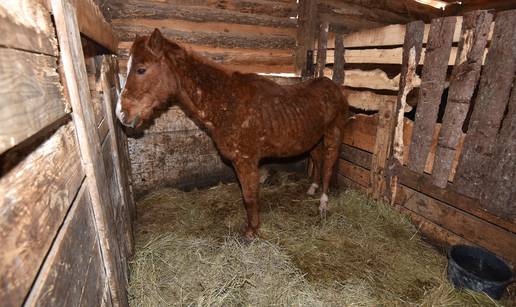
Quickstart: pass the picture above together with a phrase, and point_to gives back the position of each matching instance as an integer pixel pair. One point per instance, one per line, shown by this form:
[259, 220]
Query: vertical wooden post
[475, 30]
[493, 95]
[338, 65]
[412, 48]
[437, 55]
[83, 116]
[322, 44]
[306, 28]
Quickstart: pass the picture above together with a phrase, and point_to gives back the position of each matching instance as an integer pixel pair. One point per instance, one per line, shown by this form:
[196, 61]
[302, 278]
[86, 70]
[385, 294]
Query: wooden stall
[445, 160]
[66, 206]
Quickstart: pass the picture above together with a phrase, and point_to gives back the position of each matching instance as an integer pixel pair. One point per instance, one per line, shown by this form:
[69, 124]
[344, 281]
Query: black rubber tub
[479, 270]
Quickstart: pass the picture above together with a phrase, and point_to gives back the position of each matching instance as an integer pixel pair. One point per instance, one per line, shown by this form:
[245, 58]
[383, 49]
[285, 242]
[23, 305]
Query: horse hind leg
[316, 156]
[249, 178]
[332, 141]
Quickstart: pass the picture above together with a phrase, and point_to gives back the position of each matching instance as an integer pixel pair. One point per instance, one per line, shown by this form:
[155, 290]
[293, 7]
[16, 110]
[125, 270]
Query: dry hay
[189, 252]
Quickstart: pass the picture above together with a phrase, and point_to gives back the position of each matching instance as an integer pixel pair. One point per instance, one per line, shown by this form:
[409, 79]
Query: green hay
[189, 252]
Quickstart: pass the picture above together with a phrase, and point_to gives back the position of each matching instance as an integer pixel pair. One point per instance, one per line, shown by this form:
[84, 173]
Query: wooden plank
[369, 100]
[31, 96]
[432, 86]
[463, 80]
[110, 88]
[381, 150]
[306, 27]
[423, 184]
[76, 79]
[73, 274]
[490, 105]
[347, 183]
[356, 156]
[321, 48]
[499, 189]
[354, 172]
[412, 49]
[361, 132]
[135, 10]
[375, 79]
[35, 196]
[463, 224]
[338, 65]
[207, 27]
[127, 33]
[93, 25]
[26, 25]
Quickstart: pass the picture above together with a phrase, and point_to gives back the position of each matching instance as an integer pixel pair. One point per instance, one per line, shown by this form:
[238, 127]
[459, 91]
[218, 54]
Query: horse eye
[140, 71]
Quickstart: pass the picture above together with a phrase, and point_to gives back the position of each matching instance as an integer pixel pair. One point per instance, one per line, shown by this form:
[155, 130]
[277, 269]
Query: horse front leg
[249, 178]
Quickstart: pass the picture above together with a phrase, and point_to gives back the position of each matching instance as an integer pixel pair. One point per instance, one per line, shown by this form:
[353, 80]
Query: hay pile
[189, 252]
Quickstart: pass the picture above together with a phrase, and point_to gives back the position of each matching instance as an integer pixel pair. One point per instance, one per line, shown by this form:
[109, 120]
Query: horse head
[151, 78]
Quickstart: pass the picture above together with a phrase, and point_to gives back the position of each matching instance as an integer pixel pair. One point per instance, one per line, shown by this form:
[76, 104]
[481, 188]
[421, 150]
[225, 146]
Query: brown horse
[248, 116]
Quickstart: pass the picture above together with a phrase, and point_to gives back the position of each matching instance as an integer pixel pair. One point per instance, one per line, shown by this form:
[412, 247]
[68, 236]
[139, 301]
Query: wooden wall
[452, 174]
[65, 200]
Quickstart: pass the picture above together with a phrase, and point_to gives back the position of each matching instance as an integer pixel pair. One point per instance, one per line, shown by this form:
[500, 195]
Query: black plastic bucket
[479, 270]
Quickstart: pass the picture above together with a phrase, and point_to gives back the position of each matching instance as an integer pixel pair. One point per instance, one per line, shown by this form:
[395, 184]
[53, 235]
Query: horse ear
[155, 42]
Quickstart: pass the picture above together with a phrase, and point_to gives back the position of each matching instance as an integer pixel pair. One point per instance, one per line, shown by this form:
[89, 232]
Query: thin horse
[248, 116]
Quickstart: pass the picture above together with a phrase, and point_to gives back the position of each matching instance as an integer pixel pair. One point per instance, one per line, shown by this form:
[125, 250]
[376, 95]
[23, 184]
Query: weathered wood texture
[356, 156]
[321, 48]
[73, 273]
[249, 41]
[412, 49]
[465, 74]
[306, 32]
[92, 24]
[338, 65]
[361, 132]
[499, 189]
[26, 25]
[463, 224]
[77, 85]
[490, 105]
[432, 85]
[31, 97]
[35, 197]
[354, 172]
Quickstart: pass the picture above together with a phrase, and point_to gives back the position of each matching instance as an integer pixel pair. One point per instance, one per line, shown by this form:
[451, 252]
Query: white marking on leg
[312, 189]
[323, 207]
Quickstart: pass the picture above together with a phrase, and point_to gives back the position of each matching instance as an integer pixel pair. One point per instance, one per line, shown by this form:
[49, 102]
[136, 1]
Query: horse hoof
[312, 189]
[250, 235]
[323, 206]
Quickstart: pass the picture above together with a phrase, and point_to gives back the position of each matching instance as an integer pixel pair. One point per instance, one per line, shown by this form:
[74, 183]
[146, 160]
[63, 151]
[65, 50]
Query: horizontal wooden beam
[392, 35]
[356, 156]
[354, 172]
[361, 132]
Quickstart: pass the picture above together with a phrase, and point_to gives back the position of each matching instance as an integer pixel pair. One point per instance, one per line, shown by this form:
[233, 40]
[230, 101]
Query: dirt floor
[189, 252]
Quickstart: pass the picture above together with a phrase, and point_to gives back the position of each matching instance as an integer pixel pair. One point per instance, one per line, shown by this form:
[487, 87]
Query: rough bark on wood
[465, 74]
[306, 28]
[321, 48]
[499, 189]
[338, 65]
[432, 85]
[490, 105]
[221, 39]
[412, 49]
[73, 273]
[31, 96]
[381, 150]
[26, 25]
[35, 196]
[89, 143]
[368, 100]
[92, 24]
[134, 10]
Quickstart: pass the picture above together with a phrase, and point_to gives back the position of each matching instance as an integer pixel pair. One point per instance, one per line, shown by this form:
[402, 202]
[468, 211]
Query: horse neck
[202, 88]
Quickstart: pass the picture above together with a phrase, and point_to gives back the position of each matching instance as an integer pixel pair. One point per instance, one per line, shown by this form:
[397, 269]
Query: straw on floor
[189, 252]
